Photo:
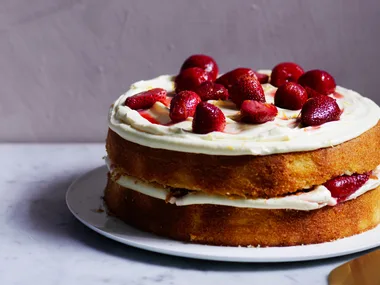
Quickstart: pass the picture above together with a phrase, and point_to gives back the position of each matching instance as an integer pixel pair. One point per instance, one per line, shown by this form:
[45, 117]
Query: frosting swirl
[279, 136]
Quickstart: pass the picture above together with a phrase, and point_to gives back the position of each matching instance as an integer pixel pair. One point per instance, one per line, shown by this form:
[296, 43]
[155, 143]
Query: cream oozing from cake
[279, 136]
[314, 199]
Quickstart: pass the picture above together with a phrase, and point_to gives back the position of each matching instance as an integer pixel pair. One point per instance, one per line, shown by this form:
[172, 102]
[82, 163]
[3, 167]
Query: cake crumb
[98, 210]
[193, 237]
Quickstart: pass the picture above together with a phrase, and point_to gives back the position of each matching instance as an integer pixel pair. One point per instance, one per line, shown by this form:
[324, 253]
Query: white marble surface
[42, 243]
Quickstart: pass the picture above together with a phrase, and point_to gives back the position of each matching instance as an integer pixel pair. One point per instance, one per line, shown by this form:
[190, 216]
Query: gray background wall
[62, 62]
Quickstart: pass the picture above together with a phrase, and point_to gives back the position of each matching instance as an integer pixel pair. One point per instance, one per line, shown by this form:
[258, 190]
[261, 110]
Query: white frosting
[317, 198]
[279, 136]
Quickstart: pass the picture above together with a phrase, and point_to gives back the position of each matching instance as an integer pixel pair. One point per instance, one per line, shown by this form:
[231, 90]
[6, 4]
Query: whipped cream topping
[279, 136]
[317, 198]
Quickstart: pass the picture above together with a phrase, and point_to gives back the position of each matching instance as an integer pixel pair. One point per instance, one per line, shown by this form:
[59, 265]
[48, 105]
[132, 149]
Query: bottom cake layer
[230, 226]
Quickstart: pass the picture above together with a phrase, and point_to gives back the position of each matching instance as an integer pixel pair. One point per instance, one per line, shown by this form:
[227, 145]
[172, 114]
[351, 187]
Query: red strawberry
[228, 79]
[183, 105]
[256, 112]
[343, 186]
[211, 91]
[285, 72]
[190, 78]
[319, 110]
[317, 82]
[290, 96]
[205, 62]
[246, 88]
[208, 118]
[263, 78]
[146, 99]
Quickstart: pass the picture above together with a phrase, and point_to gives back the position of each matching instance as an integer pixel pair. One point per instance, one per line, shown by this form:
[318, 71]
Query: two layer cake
[271, 158]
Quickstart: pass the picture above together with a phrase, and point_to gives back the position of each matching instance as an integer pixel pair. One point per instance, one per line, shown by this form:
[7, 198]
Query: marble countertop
[42, 243]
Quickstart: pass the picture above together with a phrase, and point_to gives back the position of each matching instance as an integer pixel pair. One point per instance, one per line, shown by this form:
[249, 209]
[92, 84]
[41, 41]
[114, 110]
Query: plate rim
[199, 255]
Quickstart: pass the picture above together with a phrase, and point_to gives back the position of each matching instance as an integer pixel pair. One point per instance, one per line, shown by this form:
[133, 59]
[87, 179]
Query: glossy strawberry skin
[246, 88]
[211, 91]
[204, 62]
[254, 112]
[317, 82]
[290, 96]
[208, 118]
[319, 110]
[146, 99]
[228, 79]
[190, 78]
[285, 72]
[343, 186]
[183, 105]
[261, 77]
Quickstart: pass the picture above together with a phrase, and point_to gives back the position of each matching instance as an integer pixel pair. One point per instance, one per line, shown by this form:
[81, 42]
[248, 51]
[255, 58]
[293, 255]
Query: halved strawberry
[228, 79]
[285, 72]
[317, 82]
[211, 91]
[190, 78]
[183, 105]
[319, 110]
[254, 112]
[146, 99]
[246, 88]
[290, 96]
[208, 118]
[343, 186]
[205, 62]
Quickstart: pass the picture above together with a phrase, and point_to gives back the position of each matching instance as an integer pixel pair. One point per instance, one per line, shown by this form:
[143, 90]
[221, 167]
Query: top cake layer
[153, 128]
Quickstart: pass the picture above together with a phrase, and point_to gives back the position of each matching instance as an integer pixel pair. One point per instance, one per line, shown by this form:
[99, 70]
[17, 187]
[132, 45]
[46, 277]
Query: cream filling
[279, 136]
[317, 198]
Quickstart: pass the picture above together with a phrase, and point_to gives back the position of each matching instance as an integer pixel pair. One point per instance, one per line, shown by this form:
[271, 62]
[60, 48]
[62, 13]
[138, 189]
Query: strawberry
[228, 79]
[261, 77]
[246, 88]
[285, 72]
[211, 91]
[208, 118]
[343, 186]
[190, 78]
[319, 110]
[146, 99]
[205, 62]
[183, 105]
[317, 82]
[290, 96]
[254, 112]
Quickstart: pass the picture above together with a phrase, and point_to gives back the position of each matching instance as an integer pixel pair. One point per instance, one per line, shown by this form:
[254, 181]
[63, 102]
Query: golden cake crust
[246, 175]
[223, 225]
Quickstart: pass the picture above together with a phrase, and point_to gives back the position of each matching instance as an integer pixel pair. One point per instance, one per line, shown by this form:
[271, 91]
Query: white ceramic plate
[84, 199]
